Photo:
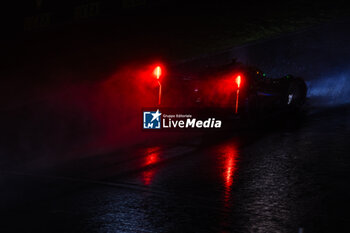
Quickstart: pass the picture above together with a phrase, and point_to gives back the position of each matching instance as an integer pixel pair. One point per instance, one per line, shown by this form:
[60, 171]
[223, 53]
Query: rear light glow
[157, 72]
[238, 81]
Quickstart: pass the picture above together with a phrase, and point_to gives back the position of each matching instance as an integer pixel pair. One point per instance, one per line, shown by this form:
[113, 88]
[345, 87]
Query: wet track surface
[290, 178]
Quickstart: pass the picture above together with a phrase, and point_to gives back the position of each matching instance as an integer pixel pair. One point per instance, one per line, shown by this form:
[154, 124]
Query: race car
[234, 88]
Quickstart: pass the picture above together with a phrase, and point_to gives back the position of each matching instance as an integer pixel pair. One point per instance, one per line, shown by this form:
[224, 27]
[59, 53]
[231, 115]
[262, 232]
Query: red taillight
[157, 72]
[238, 81]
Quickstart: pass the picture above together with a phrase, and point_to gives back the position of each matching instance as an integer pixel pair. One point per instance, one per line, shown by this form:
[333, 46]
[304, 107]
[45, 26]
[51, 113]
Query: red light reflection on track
[229, 153]
[152, 156]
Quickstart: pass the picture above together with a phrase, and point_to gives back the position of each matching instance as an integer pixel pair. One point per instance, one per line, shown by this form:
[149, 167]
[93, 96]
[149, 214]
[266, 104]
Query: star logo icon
[151, 119]
[156, 115]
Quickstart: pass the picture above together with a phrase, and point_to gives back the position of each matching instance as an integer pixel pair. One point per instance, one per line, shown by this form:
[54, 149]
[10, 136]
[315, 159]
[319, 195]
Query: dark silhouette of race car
[235, 88]
[237, 94]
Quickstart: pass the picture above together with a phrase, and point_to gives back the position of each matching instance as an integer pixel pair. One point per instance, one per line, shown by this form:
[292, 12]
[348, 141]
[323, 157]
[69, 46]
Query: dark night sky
[58, 32]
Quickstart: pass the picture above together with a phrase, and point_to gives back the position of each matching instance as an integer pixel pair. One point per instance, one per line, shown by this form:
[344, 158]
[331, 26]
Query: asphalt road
[290, 178]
